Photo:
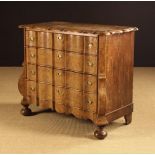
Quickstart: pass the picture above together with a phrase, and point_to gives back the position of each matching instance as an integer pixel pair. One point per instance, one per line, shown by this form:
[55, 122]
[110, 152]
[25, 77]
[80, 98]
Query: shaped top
[68, 27]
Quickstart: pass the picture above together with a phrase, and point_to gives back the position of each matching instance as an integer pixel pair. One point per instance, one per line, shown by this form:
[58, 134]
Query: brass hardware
[90, 64]
[89, 83]
[32, 55]
[90, 102]
[60, 92]
[33, 72]
[90, 45]
[31, 38]
[60, 37]
[59, 73]
[32, 88]
[59, 56]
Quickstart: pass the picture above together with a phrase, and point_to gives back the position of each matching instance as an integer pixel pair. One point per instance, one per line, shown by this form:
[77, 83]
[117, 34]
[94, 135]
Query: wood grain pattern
[45, 57]
[80, 69]
[119, 71]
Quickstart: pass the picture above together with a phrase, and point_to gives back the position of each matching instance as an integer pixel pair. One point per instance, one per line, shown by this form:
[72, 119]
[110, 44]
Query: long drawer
[72, 61]
[48, 95]
[58, 41]
[57, 77]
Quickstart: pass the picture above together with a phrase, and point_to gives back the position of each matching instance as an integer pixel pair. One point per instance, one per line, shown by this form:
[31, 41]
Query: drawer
[45, 91]
[75, 62]
[44, 39]
[31, 72]
[46, 103]
[59, 95]
[59, 59]
[70, 97]
[90, 102]
[90, 83]
[74, 98]
[59, 41]
[75, 80]
[45, 74]
[91, 45]
[91, 64]
[59, 77]
[31, 55]
[79, 100]
[30, 38]
[45, 57]
[75, 43]
[31, 92]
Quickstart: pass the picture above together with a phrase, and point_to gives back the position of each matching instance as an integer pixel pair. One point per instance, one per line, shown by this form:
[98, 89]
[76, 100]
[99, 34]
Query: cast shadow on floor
[46, 121]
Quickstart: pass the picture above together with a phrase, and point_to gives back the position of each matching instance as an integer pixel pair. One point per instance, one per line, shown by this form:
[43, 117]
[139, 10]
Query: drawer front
[75, 43]
[45, 91]
[91, 45]
[60, 95]
[32, 92]
[91, 64]
[59, 59]
[31, 72]
[90, 84]
[50, 75]
[59, 77]
[45, 74]
[45, 57]
[69, 97]
[73, 80]
[59, 41]
[44, 39]
[90, 102]
[31, 55]
[74, 99]
[30, 38]
[75, 62]
[81, 82]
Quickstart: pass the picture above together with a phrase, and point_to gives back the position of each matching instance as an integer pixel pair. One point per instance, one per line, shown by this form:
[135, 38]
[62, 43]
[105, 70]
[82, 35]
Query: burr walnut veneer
[80, 69]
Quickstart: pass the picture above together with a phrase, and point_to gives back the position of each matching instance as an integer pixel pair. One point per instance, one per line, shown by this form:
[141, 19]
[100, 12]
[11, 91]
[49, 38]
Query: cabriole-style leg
[128, 118]
[25, 111]
[100, 133]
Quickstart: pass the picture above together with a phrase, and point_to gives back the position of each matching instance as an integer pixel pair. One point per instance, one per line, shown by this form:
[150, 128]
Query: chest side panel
[119, 71]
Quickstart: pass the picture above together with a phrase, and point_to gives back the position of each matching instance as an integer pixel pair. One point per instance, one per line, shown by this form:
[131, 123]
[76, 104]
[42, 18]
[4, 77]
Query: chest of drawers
[80, 69]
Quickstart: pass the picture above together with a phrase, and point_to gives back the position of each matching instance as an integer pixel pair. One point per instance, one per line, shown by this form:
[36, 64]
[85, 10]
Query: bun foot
[26, 111]
[100, 133]
[128, 118]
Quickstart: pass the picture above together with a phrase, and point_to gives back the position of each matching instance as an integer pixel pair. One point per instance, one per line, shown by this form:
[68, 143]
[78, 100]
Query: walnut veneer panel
[80, 69]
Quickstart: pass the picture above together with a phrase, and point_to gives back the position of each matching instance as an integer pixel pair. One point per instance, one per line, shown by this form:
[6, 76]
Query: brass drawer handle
[90, 102]
[33, 72]
[59, 73]
[90, 83]
[32, 55]
[90, 64]
[90, 45]
[59, 56]
[60, 92]
[32, 88]
[60, 37]
[31, 38]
